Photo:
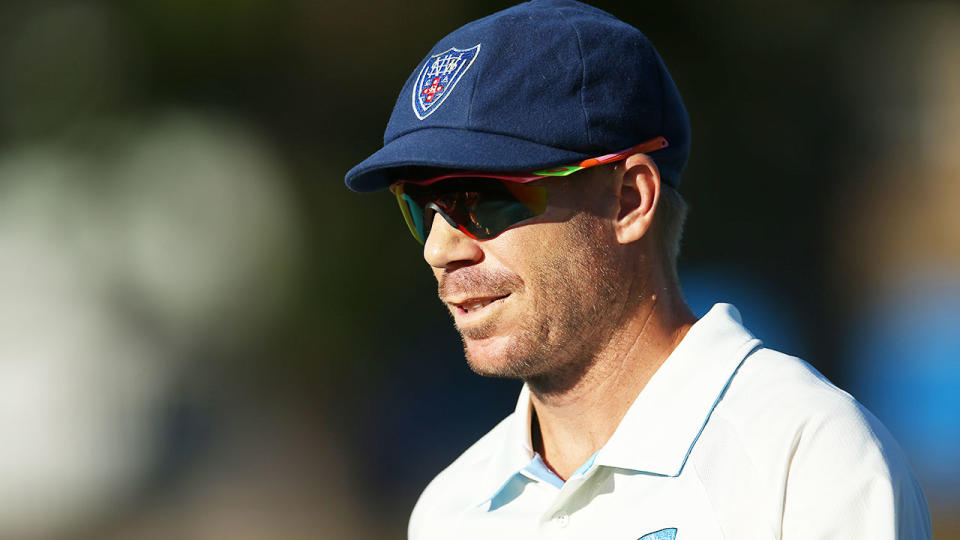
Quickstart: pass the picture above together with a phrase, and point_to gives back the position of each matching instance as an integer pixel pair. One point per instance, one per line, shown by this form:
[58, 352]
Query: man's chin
[490, 356]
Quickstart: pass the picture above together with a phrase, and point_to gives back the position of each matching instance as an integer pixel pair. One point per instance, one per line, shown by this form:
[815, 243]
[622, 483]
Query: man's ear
[639, 193]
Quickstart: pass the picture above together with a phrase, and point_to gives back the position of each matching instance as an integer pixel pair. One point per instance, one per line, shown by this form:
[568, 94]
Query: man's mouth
[476, 304]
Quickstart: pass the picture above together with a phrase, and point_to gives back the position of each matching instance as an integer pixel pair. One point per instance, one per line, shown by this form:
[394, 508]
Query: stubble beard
[570, 318]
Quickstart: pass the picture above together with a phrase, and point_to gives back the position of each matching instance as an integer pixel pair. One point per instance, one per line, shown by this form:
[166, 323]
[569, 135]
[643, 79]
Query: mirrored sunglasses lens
[481, 207]
[488, 217]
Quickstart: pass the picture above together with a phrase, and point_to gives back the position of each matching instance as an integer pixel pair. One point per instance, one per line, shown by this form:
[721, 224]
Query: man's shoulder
[462, 483]
[787, 386]
[784, 430]
[781, 405]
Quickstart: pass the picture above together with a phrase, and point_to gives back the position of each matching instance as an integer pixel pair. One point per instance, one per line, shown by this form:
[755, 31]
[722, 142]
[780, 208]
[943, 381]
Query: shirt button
[561, 519]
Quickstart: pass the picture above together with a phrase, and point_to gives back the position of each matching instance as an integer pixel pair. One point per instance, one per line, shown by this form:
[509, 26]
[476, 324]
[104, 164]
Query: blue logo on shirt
[440, 74]
[662, 534]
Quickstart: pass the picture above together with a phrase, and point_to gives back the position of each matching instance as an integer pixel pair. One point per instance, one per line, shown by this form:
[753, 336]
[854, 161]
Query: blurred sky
[204, 334]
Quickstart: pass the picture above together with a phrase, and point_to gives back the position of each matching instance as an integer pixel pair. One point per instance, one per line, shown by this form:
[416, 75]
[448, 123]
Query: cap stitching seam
[583, 76]
[473, 93]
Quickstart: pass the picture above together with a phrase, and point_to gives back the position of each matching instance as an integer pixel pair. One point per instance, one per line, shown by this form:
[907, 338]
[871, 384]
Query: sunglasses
[484, 204]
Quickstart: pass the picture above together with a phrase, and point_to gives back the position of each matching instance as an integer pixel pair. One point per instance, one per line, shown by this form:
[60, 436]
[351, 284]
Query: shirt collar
[515, 452]
[659, 430]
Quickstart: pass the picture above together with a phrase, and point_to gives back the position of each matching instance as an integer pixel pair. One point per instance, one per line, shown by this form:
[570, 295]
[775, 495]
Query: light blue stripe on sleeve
[662, 534]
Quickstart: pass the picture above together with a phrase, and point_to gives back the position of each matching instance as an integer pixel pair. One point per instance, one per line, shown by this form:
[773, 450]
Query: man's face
[543, 296]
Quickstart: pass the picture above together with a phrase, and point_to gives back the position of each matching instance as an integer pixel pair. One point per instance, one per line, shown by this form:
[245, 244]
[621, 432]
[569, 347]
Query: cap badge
[438, 77]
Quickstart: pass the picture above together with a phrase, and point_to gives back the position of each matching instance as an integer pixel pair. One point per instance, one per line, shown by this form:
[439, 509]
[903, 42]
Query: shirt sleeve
[849, 479]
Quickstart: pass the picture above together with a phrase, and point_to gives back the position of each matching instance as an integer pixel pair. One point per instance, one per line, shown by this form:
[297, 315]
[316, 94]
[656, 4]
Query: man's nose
[447, 247]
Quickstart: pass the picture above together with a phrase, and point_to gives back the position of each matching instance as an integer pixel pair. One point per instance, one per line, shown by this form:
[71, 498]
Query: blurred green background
[204, 334]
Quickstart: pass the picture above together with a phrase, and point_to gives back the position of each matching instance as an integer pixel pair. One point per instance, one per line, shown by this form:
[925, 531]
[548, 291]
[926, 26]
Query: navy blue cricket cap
[544, 83]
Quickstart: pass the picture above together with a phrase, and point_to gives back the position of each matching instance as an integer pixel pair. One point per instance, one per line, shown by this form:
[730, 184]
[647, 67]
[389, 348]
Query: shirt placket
[560, 520]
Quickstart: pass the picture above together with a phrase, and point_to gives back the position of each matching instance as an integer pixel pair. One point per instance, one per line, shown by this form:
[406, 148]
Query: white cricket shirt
[727, 440]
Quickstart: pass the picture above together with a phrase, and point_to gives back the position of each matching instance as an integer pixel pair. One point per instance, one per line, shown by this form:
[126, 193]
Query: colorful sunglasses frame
[414, 222]
[652, 145]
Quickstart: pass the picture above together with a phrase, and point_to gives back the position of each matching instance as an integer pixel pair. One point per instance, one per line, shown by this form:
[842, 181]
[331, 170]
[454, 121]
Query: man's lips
[474, 303]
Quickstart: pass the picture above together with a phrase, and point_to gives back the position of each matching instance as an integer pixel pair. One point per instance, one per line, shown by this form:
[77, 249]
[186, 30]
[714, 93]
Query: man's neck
[577, 422]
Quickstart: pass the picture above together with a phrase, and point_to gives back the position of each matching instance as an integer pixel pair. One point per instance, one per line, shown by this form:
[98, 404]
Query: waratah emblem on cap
[438, 77]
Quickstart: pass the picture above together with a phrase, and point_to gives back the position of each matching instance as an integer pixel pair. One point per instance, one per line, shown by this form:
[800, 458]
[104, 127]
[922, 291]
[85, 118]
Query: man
[535, 153]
